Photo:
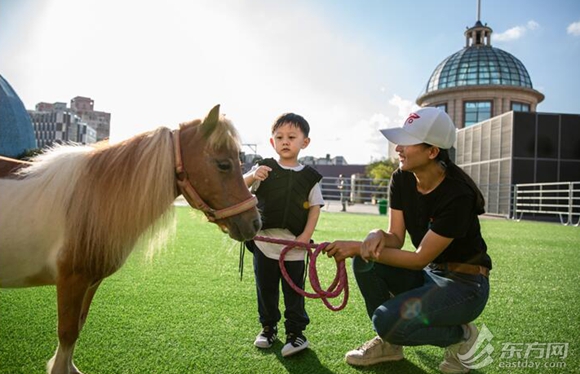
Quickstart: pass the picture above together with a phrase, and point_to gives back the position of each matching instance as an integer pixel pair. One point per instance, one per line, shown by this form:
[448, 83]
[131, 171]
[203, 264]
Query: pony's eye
[224, 165]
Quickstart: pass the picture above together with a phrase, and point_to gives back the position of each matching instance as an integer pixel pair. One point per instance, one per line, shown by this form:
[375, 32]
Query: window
[476, 111]
[520, 107]
[442, 107]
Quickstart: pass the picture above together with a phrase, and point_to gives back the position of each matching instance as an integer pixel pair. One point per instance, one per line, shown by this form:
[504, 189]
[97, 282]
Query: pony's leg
[87, 302]
[72, 291]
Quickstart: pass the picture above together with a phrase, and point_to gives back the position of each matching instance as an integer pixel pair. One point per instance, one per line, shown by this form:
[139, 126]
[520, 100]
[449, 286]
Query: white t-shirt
[272, 250]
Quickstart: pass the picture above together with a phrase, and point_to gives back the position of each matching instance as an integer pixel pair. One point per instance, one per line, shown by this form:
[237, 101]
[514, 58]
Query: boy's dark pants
[268, 274]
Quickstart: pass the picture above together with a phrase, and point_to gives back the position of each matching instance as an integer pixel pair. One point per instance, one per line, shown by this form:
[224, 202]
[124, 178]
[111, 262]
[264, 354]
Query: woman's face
[415, 157]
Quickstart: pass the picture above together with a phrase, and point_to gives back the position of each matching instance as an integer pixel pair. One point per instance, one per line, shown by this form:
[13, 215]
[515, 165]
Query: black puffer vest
[283, 197]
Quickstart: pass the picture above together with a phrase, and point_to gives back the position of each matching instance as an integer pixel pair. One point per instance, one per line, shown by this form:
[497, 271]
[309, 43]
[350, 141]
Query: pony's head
[209, 175]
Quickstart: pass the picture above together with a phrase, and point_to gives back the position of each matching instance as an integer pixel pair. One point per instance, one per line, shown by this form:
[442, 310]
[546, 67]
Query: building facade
[100, 121]
[516, 148]
[55, 123]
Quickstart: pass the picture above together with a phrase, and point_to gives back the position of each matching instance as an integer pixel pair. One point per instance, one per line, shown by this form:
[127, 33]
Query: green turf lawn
[188, 312]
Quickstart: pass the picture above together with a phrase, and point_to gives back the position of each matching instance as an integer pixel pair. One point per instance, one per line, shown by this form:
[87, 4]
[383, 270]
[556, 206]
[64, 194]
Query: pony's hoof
[50, 369]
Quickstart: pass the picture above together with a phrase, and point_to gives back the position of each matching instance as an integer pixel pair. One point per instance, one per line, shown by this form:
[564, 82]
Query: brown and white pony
[73, 215]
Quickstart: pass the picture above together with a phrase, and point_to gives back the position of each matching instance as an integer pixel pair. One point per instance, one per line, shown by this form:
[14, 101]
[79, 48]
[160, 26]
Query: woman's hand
[342, 249]
[372, 246]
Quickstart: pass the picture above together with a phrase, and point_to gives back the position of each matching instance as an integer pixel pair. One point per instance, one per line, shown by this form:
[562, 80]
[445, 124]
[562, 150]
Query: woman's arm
[378, 239]
[431, 246]
[385, 247]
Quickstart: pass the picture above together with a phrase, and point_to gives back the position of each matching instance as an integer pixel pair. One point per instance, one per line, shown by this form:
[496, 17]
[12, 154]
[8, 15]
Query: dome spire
[479, 35]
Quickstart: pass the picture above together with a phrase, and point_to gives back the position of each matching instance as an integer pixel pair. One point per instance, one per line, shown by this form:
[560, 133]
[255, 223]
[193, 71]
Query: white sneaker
[294, 344]
[451, 362]
[373, 352]
[266, 337]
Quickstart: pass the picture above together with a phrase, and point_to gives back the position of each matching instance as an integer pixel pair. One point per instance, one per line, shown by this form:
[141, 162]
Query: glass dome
[16, 131]
[479, 65]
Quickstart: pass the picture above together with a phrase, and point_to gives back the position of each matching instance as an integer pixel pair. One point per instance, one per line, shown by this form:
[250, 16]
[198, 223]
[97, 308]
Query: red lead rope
[339, 284]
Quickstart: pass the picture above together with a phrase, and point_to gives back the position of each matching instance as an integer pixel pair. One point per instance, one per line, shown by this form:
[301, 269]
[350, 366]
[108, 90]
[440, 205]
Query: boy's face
[288, 140]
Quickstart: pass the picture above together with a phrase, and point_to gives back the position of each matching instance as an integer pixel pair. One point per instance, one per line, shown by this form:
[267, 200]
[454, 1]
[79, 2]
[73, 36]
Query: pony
[72, 216]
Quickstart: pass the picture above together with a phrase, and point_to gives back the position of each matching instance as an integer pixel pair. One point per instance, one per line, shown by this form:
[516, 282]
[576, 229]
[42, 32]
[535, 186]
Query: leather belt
[458, 267]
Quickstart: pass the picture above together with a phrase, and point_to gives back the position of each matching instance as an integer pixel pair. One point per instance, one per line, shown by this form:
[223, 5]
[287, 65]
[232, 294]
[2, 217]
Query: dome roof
[16, 131]
[479, 65]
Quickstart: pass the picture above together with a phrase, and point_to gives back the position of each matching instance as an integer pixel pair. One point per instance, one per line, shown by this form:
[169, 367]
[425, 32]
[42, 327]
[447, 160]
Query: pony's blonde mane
[123, 192]
[223, 135]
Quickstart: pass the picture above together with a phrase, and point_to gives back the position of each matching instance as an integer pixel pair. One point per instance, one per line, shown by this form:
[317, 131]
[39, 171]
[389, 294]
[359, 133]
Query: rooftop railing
[561, 199]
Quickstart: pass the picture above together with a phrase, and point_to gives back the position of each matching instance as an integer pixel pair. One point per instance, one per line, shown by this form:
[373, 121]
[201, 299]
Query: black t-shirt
[448, 210]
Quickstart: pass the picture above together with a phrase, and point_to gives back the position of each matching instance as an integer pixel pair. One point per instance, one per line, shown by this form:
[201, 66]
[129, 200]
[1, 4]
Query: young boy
[289, 199]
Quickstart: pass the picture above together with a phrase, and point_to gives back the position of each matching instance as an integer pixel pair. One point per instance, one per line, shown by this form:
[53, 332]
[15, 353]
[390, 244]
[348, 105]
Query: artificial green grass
[187, 311]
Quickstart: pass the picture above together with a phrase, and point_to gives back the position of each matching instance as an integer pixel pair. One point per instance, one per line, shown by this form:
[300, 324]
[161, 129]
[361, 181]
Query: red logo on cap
[412, 117]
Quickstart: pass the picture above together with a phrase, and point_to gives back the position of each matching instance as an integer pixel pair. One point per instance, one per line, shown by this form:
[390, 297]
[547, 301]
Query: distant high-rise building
[51, 126]
[57, 123]
[100, 121]
[80, 105]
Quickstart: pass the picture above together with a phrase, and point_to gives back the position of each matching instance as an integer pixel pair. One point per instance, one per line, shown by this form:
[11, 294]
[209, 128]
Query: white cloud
[512, 34]
[394, 115]
[404, 108]
[516, 32]
[574, 28]
[533, 25]
[355, 135]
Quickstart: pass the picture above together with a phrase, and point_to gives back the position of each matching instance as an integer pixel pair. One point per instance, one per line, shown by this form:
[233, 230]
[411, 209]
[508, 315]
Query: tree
[29, 153]
[380, 171]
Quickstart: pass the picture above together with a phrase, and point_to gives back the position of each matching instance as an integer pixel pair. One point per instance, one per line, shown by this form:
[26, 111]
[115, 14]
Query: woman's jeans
[418, 307]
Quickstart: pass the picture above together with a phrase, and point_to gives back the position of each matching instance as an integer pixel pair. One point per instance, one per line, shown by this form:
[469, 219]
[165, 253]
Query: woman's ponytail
[455, 172]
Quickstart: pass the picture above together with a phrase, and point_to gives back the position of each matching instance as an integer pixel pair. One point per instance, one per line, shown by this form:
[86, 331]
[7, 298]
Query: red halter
[193, 198]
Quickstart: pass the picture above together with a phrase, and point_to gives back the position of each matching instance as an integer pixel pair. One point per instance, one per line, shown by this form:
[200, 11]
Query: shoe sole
[295, 350]
[265, 346]
[369, 362]
[446, 368]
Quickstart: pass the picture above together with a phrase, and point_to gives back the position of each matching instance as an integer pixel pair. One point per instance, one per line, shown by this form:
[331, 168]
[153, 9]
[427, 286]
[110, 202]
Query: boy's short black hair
[294, 119]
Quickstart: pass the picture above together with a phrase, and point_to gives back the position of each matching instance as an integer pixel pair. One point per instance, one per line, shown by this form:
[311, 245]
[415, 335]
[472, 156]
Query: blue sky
[349, 67]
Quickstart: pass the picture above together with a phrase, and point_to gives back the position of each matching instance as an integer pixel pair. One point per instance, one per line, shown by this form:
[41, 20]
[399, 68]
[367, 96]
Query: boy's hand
[303, 238]
[262, 172]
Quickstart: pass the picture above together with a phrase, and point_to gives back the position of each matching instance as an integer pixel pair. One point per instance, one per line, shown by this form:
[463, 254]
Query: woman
[431, 295]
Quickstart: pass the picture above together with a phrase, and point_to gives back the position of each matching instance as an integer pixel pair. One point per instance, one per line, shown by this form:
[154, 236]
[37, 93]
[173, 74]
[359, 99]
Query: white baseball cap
[427, 125]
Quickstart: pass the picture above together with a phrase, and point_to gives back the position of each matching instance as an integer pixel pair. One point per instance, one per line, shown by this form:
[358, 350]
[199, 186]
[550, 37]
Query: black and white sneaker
[294, 344]
[266, 337]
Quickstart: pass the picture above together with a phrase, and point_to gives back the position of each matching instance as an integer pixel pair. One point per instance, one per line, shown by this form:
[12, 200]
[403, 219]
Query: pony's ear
[211, 120]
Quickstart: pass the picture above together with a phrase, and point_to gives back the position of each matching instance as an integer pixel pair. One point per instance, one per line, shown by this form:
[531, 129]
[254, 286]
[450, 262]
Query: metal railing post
[570, 203]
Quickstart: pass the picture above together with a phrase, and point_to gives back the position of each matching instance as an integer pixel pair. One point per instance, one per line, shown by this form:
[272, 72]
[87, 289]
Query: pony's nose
[257, 224]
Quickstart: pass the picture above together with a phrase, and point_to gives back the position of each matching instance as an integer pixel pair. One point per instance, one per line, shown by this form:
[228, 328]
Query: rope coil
[339, 284]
